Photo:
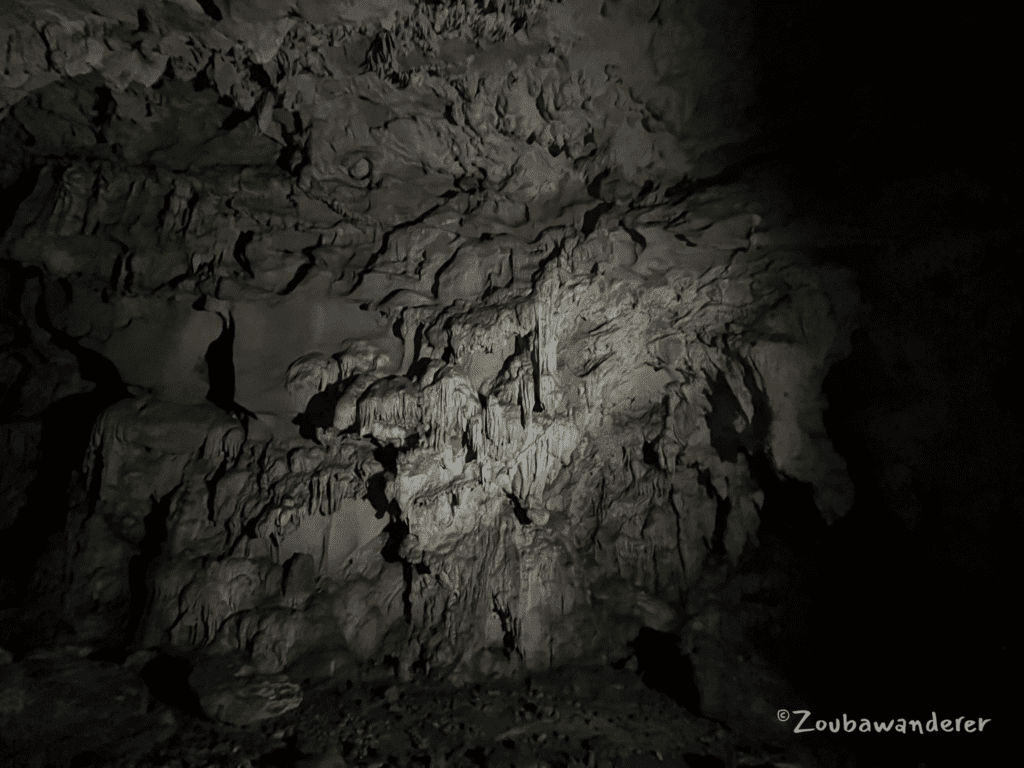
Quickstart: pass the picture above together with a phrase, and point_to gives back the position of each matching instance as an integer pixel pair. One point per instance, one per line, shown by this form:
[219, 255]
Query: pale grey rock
[362, 356]
[299, 578]
[463, 319]
[308, 376]
[232, 692]
[346, 410]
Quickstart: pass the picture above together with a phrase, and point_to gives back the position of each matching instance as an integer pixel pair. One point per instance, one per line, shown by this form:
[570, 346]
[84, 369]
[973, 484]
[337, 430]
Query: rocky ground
[596, 717]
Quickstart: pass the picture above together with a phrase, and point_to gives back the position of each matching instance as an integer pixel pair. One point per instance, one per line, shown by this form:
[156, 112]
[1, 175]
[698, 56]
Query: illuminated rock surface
[357, 354]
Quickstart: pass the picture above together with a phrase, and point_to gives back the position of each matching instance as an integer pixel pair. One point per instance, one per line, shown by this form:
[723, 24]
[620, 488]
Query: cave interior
[518, 383]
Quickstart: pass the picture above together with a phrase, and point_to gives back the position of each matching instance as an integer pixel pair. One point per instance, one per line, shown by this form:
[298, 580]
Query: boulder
[231, 691]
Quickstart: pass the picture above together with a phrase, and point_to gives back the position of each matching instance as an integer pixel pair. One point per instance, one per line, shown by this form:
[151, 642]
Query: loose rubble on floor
[102, 715]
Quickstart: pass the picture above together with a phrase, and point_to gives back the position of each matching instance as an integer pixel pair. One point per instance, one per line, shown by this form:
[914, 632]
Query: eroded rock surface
[423, 340]
[234, 692]
[419, 269]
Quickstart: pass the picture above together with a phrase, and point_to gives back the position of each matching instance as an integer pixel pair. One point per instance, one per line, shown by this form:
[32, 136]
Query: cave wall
[437, 268]
[457, 294]
[479, 337]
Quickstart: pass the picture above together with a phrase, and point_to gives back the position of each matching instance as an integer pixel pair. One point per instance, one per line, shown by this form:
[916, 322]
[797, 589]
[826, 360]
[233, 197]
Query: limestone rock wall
[421, 339]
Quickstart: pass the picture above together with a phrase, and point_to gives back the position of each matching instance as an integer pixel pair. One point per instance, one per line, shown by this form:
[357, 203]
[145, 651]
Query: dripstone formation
[399, 341]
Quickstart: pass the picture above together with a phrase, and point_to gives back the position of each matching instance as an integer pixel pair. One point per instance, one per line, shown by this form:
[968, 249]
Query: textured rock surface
[232, 691]
[466, 279]
[462, 341]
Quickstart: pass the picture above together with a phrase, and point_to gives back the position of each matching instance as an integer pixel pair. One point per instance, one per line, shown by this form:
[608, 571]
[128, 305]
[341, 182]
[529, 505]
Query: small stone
[392, 694]
[360, 169]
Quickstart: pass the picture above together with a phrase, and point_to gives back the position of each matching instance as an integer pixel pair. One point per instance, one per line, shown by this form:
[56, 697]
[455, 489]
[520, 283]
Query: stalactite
[476, 436]
[389, 402]
[315, 494]
[546, 340]
[526, 399]
[448, 406]
[494, 421]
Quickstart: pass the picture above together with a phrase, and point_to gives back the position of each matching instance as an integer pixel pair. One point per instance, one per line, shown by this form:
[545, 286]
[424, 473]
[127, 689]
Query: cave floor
[597, 719]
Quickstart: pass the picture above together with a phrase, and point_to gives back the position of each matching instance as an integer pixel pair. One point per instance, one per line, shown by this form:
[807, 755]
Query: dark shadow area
[663, 668]
[854, 100]
[290, 159]
[649, 453]
[733, 172]
[243, 240]
[788, 511]
[593, 216]
[396, 530]
[702, 761]
[594, 187]
[66, 428]
[319, 413]
[467, 445]
[140, 575]
[725, 416]
[375, 493]
[893, 599]
[724, 507]
[519, 510]
[11, 392]
[143, 21]
[87, 759]
[210, 9]
[232, 121]
[260, 77]
[387, 455]
[419, 366]
[19, 190]
[166, 677]
[790, 534]
[297, 278]
[220, 366]
[635, 236]
[284, 757]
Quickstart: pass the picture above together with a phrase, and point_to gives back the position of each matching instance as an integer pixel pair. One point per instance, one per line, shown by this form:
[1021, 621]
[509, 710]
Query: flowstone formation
[414, 335]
